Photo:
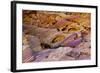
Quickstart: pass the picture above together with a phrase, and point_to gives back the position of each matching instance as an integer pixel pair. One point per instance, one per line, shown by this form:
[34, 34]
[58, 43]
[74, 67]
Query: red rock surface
[56, 36]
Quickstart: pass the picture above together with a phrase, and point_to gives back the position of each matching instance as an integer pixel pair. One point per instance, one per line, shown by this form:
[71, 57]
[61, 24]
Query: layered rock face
[56, 36]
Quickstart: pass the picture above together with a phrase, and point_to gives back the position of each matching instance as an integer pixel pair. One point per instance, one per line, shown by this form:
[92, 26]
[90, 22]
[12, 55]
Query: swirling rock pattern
[56, 36]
